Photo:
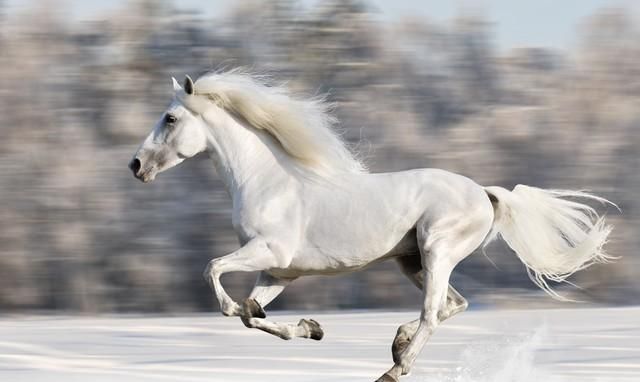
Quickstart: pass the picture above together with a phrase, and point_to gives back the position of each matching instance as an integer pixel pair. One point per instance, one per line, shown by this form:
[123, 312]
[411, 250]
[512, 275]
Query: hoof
[386, 378]
[398, 347]
[313, 328]
[251, 308]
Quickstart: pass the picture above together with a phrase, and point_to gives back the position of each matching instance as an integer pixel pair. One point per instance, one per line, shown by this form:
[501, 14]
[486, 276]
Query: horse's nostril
[135, 165]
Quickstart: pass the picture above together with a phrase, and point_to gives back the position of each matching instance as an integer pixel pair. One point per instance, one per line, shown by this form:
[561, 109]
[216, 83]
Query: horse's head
[180, 134]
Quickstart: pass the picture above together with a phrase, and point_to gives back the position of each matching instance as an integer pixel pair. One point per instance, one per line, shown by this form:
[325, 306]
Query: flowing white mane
[304, 127]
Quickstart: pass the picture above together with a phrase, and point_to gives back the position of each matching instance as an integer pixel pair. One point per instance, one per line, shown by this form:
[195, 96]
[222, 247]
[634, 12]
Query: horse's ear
[188, 85]
[176, 85]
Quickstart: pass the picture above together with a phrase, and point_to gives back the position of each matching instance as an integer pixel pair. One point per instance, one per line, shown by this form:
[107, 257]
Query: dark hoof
[400, 343]
[251, 308]
[313, 328]
[386, 378]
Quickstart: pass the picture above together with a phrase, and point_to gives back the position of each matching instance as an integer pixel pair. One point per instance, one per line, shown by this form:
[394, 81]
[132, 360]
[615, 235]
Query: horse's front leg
[253, 316]
[254, 256]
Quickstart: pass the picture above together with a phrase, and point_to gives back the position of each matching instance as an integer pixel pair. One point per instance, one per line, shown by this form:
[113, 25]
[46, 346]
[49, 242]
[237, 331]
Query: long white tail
[554, 237]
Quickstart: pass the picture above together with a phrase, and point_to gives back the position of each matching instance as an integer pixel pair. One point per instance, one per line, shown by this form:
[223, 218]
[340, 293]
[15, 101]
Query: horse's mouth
[146, 177]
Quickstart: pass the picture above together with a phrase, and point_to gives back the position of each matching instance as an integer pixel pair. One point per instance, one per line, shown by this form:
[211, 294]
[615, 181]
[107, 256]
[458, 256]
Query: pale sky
[550, 23]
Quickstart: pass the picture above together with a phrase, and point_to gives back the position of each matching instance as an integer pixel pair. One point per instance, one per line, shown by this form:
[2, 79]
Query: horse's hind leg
[437, 271]
[411, 267]
[266, 289]
[443, 245]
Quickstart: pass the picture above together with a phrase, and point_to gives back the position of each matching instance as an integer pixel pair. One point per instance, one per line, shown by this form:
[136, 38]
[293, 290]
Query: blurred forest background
[79, 233]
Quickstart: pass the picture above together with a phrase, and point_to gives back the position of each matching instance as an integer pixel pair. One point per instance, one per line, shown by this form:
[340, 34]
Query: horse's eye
[170, 118]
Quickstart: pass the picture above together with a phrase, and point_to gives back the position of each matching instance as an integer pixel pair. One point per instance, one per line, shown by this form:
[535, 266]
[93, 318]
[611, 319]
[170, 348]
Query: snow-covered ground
[484, 346]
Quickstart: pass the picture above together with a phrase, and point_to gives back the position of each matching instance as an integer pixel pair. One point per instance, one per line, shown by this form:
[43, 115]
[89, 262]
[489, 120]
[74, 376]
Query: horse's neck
[245, 158]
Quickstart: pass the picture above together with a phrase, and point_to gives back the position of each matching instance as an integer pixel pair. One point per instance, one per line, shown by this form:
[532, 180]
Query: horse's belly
[319, 264]
[346, 259]
[373, 220]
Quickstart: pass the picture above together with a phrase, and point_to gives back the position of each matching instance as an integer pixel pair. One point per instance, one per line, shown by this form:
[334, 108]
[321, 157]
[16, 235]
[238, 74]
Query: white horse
[304, 205]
